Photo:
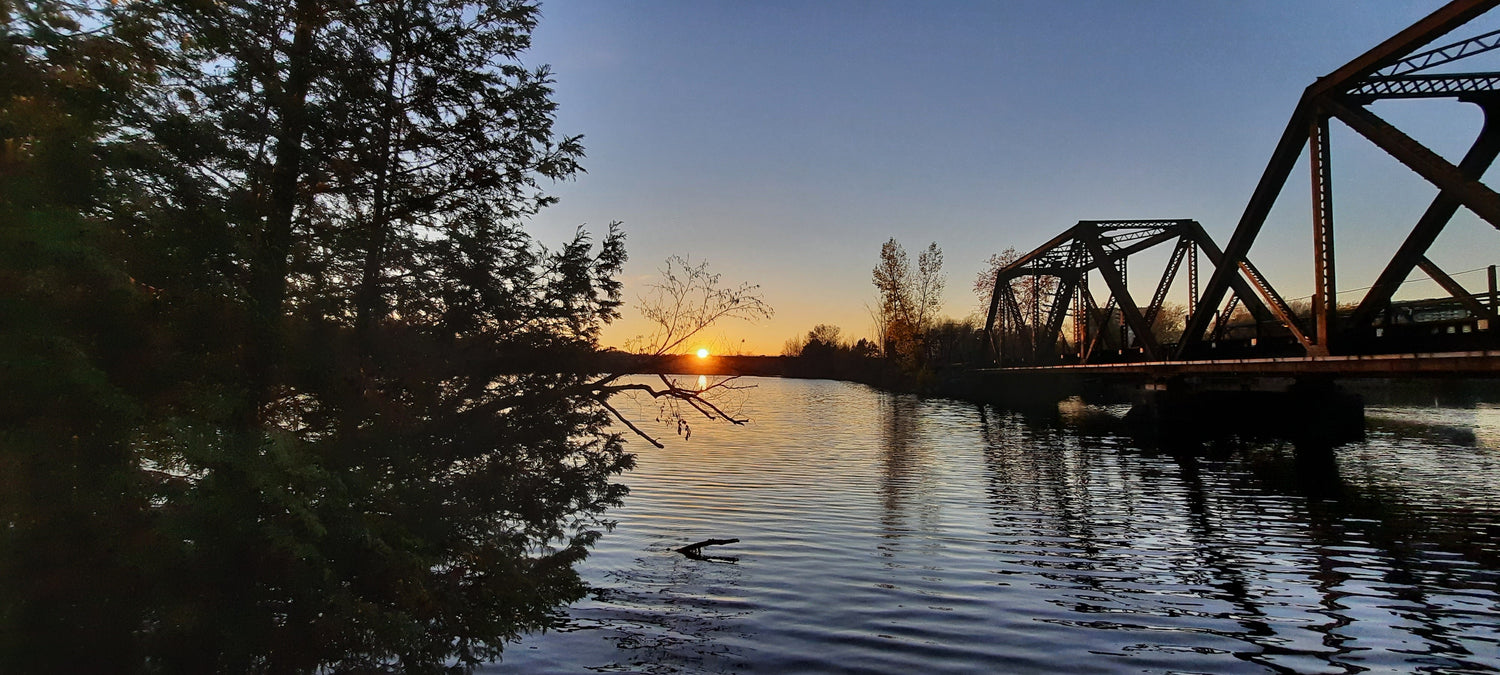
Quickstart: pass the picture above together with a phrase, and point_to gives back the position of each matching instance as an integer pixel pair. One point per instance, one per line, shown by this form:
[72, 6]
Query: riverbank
[874, 372]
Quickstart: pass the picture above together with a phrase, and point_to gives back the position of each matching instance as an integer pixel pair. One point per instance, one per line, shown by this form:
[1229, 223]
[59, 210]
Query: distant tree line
[912, 341]
[824, 353]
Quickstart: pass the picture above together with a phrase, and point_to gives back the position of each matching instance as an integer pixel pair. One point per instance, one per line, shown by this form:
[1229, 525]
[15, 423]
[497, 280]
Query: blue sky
[785, 141]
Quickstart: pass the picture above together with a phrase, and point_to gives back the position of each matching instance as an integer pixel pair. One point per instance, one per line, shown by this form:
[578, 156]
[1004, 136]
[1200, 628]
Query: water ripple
[884, 533]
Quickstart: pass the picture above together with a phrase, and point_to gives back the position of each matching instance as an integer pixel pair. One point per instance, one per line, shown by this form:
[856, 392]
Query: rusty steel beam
[1325, 289]
[1035, 319]
[1241, 287]
[1010, 317]
[992, 344]
[1080, 318]
[1279, 308]
[1192, 258]
[1017, 325]
[1393, 49]
[1058, 311]
[1025, 332]
[1425, 86]
[1052, 332]
[1128, 307]
[1475, 307]
[1289, 148]
[1494, 290]
[1221, 320]
[1479, 158]
[1039, 251]
[1069, 258]
[1102, 319]
[990, 350]
[1141, 227]
[1226, 269]
[1438, 171]
[1168, 276]
[1443, 55]
[1143, 244]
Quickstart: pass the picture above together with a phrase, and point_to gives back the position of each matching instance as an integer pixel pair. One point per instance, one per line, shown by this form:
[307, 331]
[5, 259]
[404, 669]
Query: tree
[984, 282]
[823, 340]
[1169, 322]
[1028, 290]
[930, 282]
[686, 300]
[289, 385]
[909, 300]
[72, 335]
[892, 279]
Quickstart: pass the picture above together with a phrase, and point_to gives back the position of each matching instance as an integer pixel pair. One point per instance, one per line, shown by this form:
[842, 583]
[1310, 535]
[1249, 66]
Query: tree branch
[603, 400]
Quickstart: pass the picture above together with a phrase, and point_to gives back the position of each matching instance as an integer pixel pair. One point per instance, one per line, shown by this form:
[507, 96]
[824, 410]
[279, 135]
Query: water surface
[886, 533]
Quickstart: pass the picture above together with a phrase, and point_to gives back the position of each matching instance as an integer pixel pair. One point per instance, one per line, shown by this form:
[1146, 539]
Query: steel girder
[1426, 86]
[1438, 56]
[1058, 273]
[1384, 72]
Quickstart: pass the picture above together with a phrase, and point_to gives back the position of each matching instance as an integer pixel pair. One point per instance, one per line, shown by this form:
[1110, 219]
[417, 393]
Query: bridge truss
[1398, 68]
[1045, 290]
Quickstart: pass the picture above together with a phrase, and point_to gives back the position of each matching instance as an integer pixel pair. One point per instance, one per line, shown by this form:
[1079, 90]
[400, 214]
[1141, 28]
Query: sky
[784, 142]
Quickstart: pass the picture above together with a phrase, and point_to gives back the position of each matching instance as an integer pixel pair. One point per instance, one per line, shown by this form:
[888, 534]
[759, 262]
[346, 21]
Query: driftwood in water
[695, 551]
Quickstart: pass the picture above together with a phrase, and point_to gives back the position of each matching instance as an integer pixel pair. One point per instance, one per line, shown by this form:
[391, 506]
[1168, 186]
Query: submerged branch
[695, 551]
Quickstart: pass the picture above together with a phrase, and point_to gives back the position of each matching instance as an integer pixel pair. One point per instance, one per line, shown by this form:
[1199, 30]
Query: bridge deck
[1471, 363]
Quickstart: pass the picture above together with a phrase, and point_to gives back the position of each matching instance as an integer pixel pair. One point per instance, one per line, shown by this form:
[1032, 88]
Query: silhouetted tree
[822, 352]
[823, 342]
[1026, 288]
[288, 387]
[74, 329]
[893, 281]
[952, 342]
[930, 283]
[909, 300]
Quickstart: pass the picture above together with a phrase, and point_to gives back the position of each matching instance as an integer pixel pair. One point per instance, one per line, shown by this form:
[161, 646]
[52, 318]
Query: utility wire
[1429, 280]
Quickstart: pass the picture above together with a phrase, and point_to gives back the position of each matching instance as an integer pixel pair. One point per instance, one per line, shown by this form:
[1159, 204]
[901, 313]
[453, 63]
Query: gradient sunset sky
[783, 142]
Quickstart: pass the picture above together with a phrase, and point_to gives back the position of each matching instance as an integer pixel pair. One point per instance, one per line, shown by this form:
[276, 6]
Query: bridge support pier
[1314, 410]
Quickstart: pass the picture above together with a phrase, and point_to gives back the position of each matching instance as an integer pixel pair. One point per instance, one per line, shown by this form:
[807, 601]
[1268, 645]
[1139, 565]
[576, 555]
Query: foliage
[1026, 288]
[953, 342]
[289, 388]
[1169, 322]
[893, 281]
[930, 283]
[822, 340]
[823, 352]
[909, 299]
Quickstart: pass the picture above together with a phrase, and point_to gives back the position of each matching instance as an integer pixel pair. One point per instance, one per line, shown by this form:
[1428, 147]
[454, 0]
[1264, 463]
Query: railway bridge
[1236, 341]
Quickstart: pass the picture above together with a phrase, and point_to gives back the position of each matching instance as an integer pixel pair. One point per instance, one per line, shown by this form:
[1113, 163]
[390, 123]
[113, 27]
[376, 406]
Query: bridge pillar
[1309, 409]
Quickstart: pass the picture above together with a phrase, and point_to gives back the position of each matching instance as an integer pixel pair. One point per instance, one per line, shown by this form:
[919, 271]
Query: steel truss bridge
[1044, 315]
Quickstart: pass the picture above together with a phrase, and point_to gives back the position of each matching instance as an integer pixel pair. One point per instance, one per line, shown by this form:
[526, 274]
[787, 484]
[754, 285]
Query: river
[885, 533]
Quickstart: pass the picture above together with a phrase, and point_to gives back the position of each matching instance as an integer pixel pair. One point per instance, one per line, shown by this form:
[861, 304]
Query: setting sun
[702, 352]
